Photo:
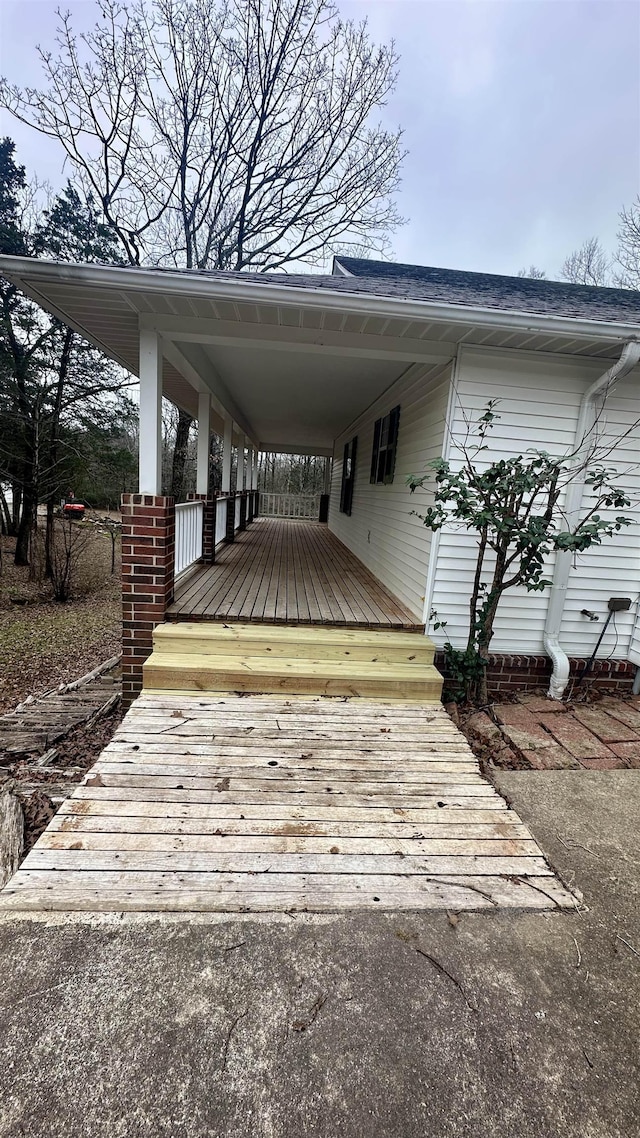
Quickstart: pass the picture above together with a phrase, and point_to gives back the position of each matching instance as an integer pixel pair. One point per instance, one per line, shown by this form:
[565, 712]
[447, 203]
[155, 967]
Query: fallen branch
[629, 946]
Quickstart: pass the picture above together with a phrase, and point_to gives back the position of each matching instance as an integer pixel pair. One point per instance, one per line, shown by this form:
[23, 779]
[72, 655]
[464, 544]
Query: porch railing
[189, 518]
[221, 520]
[290, 505]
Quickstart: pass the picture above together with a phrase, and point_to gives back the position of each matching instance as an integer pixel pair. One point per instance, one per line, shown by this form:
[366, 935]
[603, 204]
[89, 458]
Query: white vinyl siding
[539, 397]
[382, 531]
[634, 650]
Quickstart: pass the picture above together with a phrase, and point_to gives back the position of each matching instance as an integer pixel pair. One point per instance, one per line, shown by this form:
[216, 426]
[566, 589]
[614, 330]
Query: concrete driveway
[384, 1025]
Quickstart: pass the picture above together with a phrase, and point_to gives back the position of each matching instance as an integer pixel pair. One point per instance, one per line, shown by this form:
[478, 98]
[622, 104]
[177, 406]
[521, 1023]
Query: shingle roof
[488, 290]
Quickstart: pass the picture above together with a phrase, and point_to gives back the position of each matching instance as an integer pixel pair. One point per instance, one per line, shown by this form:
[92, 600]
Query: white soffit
[273, 344]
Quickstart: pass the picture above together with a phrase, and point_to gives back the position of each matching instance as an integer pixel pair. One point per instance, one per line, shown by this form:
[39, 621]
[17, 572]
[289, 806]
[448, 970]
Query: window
[348, 475]
[385, 441]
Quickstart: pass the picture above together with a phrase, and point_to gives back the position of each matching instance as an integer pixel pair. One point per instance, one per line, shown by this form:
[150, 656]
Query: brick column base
[148, 560]
[230, 531]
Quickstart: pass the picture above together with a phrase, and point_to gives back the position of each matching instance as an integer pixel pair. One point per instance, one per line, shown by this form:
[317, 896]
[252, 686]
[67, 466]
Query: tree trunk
[16, 508]
[28, 516]
[180, 455]
[48, 540]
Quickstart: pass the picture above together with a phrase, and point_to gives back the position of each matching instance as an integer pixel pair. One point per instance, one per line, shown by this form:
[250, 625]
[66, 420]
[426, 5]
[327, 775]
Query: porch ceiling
[296, 397]
[292, 365]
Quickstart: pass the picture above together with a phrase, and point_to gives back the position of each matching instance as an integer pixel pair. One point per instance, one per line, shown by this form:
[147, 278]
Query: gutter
[586, 418]
[26, 269]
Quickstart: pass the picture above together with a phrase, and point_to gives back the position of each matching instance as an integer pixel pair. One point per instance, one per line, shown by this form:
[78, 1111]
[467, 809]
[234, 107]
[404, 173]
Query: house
[376, 367]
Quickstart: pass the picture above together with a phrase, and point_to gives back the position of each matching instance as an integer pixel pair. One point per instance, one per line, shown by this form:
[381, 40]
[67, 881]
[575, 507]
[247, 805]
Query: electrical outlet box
[619, 604]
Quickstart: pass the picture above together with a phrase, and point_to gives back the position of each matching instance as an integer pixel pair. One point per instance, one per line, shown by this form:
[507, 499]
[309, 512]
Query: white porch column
[227, 446]
[150, 444]
[254, 468]
[245, 444]
[204, 440]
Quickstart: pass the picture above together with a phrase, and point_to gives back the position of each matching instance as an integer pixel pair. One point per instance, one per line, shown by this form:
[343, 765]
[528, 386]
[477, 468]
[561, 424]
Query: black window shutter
[376, 450]
[394, 422]
[348, 475]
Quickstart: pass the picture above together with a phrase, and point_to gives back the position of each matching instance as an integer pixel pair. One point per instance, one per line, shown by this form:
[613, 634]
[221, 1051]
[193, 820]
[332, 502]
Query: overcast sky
[522, 120]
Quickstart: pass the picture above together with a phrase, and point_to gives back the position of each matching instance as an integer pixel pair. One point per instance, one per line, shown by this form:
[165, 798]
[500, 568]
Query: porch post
[150, 460]
[250, 482]
[227, 446]
[242, 479]
[324, 497]
[148, 560]
[256, 492]
[204, 440]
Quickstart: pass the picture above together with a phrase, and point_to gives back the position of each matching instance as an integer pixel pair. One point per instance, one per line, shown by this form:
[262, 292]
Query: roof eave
[118, 278]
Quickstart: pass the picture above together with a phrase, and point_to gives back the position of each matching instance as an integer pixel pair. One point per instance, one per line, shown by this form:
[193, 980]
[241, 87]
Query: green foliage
[464, 670]
[514, 506]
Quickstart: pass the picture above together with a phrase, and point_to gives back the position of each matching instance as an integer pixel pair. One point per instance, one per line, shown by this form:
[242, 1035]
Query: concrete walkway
[363, 1025]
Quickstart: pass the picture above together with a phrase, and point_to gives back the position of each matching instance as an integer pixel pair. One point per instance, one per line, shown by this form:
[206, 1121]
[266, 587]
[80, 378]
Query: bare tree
[628, 251]
[588, 265]
[533, 273]
[224, 133]
[227, 134]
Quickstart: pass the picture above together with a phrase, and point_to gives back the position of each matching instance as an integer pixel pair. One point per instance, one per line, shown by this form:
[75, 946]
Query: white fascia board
[21, 269]
[291, 448]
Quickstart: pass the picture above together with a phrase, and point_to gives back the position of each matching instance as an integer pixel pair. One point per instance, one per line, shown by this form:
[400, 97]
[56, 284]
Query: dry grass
[43, 643]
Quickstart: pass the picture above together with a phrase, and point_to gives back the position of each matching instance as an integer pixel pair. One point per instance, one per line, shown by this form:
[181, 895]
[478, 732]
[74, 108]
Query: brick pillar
[148, 560]
[230, 532]
[243, 510]
[208, 526]
[256, 503]
[249, 507]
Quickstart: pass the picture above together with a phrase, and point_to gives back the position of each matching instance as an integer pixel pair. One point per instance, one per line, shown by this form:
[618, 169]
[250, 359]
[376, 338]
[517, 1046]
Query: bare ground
[42, 643]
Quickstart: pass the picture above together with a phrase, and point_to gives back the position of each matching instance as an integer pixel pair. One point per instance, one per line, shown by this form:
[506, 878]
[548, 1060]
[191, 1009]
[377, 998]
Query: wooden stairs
[296, 660]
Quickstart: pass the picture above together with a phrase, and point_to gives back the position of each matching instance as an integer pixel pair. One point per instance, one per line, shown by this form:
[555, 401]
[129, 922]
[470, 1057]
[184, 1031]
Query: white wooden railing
[189, 517]
[221, 520]
[290, 505]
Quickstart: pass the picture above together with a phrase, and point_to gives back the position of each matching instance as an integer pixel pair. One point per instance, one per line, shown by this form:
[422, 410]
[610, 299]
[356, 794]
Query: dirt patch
[75, 755]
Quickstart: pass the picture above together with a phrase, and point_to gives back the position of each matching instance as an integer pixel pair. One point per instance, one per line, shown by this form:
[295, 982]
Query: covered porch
[287, 571]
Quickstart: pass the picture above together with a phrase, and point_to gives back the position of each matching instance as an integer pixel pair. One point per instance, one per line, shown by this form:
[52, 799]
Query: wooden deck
[290, 572]
[273, 803]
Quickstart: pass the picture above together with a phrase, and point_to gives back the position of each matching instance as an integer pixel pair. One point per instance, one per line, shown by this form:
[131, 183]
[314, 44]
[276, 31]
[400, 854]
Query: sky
[521, 118]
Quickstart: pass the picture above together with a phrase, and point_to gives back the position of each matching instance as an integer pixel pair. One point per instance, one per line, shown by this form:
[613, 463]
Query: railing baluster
[189, 534]
[289, 505]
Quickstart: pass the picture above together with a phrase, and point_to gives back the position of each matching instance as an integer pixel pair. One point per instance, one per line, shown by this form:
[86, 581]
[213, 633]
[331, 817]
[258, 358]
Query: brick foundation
[148, 559]
[509, 674]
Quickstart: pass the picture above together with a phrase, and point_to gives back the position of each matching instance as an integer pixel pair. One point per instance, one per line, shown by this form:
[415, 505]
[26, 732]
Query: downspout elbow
[560, 661]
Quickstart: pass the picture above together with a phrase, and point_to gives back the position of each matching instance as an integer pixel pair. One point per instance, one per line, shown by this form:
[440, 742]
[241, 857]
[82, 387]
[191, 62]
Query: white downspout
[629, 358]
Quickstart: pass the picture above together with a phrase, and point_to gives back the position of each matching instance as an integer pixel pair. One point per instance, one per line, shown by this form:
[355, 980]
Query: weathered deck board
[391, 819]
[289, 572]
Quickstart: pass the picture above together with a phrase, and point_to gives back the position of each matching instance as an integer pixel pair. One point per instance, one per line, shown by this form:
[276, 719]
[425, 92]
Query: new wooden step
[293, 642]
[209, 672]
